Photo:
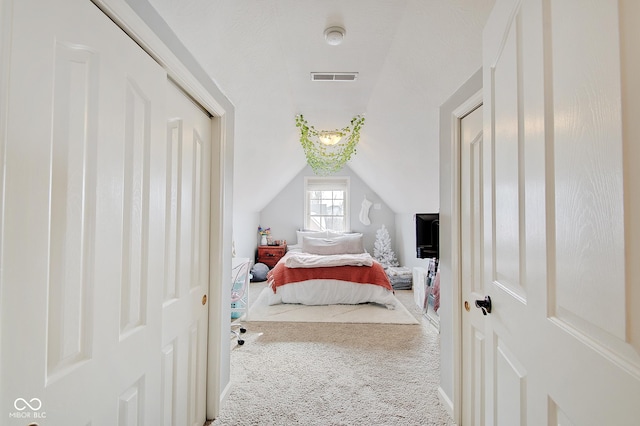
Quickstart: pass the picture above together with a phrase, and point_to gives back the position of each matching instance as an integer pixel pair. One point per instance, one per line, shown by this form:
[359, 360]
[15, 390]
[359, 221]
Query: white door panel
[557, 347]
[588, 180]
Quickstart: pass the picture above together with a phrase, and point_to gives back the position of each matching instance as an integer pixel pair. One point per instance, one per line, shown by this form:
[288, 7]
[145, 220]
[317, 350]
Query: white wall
[406, 238]
[245, 225]
[285, 213]
[448, 247]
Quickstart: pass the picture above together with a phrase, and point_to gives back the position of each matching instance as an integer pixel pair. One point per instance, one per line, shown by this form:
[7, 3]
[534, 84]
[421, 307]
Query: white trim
[224, 395]
[444, 399]
[457, 114]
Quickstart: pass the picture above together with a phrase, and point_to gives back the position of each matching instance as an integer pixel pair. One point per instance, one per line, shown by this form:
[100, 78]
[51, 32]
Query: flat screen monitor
[427, 235]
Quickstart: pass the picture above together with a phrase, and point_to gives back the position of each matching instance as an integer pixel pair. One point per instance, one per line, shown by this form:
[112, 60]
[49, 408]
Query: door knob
[485, 305]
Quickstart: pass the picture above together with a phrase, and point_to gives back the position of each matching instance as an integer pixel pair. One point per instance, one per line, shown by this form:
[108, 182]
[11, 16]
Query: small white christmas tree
[382, 251]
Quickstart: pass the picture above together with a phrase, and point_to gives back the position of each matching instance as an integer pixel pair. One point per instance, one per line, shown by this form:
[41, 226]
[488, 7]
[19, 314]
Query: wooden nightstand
[269, 255]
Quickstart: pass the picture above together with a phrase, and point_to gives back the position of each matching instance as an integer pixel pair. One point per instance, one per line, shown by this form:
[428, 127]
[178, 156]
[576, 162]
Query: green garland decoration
[329, 159]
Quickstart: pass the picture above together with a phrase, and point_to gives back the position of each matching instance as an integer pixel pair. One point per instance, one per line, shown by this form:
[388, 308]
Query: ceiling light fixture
[329, 138]
[327, 151]
[334, 35]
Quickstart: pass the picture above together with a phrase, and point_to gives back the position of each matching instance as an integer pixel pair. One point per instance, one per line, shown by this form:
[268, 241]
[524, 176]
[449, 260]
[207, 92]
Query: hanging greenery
[323, 158]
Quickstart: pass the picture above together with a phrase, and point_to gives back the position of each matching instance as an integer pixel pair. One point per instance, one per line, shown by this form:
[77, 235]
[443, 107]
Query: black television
[427, 235]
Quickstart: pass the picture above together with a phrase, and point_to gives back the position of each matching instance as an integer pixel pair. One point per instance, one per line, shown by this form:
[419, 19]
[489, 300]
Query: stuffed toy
[259, 272]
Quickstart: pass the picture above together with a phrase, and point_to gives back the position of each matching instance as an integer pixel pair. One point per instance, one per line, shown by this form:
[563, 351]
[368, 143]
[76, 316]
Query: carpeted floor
[335, 374]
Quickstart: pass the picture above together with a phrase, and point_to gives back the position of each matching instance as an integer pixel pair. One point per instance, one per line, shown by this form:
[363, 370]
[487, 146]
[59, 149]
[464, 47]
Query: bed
[329, 269]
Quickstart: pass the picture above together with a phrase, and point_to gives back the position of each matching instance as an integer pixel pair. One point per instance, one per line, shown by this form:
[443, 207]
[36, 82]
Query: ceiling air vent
[334, 76]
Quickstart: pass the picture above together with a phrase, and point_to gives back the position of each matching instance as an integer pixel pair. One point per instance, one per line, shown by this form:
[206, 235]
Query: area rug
[367, 313]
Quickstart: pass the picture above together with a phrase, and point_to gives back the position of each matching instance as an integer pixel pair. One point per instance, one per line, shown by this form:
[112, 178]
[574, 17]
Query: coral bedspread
[281, 275]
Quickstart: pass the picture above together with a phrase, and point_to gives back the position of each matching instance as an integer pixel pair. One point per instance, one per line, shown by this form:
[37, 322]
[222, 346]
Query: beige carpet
[327, 374]
[363, 313]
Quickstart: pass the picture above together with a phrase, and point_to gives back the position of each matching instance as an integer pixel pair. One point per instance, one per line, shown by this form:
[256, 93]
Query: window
[326, 204]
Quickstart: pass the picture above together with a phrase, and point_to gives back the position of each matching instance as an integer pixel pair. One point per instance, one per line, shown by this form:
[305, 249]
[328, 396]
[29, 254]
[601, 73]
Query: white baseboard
[444, 399]
[223, 398]
[225, 393]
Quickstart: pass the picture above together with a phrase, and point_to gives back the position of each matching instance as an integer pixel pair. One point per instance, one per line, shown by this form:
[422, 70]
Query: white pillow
[334, 234]
[313, 234]
[346, 244]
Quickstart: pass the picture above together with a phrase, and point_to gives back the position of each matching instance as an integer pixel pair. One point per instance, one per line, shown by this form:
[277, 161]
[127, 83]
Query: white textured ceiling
[411, 55]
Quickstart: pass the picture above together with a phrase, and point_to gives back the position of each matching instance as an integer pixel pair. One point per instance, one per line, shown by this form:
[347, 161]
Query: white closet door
[83, 236]
[186, 273]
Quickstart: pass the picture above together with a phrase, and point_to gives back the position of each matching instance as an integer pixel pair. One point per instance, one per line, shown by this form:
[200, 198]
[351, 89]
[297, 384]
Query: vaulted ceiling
[411, 55]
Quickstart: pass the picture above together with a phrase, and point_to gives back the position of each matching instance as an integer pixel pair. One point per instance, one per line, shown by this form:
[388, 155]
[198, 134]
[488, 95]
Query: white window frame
[316, 183]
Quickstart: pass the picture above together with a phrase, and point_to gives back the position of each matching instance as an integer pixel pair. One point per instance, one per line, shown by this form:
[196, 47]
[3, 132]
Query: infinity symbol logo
[21, 404]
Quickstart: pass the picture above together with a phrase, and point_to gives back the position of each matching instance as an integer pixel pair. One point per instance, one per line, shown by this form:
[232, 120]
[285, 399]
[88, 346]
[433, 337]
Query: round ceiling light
[334, 35]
